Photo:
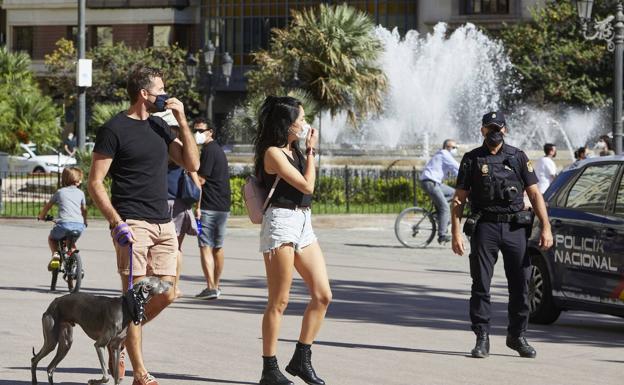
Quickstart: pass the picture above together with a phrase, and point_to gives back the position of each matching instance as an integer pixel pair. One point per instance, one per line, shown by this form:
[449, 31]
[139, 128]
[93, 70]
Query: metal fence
[339, 190]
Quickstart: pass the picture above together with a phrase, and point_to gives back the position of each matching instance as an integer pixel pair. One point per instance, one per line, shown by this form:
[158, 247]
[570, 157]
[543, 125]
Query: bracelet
[310, 151]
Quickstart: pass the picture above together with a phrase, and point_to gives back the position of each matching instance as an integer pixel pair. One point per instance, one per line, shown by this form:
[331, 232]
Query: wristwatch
[310, 151]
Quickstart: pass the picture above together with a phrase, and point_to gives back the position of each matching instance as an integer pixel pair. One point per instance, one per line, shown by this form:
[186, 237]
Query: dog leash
[121, 234]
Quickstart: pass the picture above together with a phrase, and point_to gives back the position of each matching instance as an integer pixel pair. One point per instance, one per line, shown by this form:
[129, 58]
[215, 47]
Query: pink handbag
[256, 198]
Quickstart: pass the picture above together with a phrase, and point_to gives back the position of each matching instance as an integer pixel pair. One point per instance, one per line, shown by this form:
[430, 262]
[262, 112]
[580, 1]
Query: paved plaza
[398, 316]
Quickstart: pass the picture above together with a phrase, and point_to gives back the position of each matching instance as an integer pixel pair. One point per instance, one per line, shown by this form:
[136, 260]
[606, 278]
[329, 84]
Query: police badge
[530, 166]
[485, 169]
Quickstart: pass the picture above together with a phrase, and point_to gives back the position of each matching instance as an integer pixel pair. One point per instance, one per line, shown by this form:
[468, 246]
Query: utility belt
[291, 206]
[524, 217]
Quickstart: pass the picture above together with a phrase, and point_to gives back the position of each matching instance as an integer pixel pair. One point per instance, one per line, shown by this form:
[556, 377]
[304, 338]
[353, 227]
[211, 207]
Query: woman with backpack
[286, 236]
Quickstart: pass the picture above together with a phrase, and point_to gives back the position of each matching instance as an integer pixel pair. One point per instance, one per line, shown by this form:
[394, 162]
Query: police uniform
[496, 184]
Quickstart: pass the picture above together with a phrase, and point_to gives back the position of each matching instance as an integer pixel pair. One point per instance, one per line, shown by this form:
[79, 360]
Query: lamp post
[209, 54]
[226, 66]
[191, 67]
[611, 30]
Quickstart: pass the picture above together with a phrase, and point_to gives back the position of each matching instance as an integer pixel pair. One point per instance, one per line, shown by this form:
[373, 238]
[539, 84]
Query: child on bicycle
[72, 213]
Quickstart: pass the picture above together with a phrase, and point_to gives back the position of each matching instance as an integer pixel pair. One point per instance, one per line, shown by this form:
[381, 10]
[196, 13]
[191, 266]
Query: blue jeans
[440, 195]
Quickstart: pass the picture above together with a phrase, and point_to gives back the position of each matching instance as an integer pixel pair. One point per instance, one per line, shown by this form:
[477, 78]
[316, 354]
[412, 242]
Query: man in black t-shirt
[215, 207]
[133, 148]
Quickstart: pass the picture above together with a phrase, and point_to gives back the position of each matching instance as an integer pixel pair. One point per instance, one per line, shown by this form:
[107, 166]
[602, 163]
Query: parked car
[584, 270]
[39, 160]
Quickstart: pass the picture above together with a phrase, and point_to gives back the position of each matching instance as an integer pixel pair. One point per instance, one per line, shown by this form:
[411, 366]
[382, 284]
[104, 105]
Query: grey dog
[103, 319]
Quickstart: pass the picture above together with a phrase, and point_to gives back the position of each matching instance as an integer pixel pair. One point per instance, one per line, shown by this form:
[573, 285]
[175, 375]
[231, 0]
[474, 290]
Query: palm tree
[332, 51]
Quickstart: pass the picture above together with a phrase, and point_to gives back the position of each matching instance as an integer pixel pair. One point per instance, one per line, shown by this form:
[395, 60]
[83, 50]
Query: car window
[619, 201]
[591, 189]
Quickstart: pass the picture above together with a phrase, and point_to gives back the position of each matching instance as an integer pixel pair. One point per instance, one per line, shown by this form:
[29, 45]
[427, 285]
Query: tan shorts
[154, 252]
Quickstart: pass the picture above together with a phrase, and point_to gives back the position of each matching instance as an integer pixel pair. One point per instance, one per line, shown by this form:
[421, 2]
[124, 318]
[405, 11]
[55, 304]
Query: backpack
[256, 198]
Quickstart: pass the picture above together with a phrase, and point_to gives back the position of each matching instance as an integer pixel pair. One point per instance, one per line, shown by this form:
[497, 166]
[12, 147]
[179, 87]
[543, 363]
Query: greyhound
[103, 319]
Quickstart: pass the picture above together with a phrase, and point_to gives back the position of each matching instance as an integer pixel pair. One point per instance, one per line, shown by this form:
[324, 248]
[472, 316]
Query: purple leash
[121, 234]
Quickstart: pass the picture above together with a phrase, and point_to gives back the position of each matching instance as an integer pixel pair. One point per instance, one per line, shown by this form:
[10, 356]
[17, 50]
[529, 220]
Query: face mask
[304, 132]
[494, 138]
[200, 138]
[160, 102]
[453, 151]
[601, 145]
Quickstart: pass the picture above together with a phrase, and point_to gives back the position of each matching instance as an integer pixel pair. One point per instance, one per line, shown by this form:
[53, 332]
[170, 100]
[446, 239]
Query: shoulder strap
[266, 201]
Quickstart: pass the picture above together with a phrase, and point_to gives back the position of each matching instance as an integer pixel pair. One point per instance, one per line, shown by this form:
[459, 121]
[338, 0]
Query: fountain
[439, 87]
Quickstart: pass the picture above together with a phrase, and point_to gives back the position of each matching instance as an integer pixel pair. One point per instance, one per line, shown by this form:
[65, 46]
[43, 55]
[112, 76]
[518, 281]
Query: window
[162, 35]
[619, 200]
[591, 189]
[23, 39]
[484, 7]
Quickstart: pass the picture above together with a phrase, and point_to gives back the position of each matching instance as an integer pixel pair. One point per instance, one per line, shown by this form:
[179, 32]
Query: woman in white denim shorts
[286, 236]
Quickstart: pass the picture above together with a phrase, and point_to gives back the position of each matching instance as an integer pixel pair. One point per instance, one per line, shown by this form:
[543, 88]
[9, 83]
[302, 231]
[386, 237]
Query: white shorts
[280, 226]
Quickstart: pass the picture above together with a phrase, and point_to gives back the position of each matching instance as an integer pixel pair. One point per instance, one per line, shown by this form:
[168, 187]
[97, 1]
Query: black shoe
[444, 239]
[301, 365]
[482, 347]
[271, 375]
[521, 345]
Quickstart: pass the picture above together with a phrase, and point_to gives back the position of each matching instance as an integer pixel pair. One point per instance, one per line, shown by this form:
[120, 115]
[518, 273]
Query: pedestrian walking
[214, 207]
[287, 239]
[180, 211]
[545, 167]
[133, 148]
[493, 178]
[439, 167]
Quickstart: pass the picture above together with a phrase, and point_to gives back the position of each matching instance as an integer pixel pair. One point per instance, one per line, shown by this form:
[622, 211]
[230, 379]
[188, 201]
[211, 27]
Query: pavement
[399, 316]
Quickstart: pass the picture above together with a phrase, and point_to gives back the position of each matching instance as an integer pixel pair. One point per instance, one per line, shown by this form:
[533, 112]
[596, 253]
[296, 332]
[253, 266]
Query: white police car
[584, 270]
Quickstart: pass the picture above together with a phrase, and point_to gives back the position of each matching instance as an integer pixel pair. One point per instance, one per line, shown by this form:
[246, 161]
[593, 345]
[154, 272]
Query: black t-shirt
[213, 167]
[139, 149]
[71, 143]
[285, 193]
[484, 175]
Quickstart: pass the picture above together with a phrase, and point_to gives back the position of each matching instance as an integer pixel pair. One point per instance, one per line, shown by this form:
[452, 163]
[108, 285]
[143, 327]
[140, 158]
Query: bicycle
[415, 227]
[70, 263]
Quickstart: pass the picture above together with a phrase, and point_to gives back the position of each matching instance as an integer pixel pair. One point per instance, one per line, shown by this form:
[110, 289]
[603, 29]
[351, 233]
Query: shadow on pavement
[414, 305]
[98, 373]
[374, 246]
[62, 290]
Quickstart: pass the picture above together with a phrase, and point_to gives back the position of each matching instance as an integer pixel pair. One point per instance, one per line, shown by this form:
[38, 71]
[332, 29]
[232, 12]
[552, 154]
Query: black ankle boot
[521, 345]
[271, 374]
[482, 347]
[301, 365]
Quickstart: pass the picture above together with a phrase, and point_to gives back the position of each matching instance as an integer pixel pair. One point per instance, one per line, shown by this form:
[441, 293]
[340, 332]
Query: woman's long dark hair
[275, 117]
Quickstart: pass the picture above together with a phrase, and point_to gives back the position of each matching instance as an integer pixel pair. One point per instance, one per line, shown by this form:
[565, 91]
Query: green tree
[334, 51]
[556, 64]
[25, 114]
[111, 65]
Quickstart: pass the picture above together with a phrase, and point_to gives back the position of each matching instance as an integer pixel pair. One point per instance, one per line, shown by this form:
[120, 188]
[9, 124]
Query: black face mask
[494, 138]
[160, 102]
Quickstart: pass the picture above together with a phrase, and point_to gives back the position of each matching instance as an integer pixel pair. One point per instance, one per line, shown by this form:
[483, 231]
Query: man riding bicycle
[437, 168]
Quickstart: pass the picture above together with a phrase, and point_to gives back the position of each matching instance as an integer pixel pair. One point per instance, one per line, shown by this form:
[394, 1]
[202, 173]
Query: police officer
[494, 177]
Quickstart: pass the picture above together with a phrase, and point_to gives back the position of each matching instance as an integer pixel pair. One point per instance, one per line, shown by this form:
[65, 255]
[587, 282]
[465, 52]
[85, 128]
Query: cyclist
[72, 213]
[440, 165]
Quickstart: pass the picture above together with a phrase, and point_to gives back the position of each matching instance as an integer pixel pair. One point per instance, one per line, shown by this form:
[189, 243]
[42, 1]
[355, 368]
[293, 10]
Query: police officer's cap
[495, 117]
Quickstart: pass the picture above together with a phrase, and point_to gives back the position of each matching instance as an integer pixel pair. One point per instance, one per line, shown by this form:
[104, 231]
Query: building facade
[236, 27]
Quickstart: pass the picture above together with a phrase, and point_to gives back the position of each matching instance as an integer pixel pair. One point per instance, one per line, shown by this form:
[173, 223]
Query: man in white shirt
[545, 167]
[439, 167]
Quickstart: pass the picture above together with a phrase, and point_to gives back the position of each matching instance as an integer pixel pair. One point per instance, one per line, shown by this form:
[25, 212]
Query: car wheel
[39, 170]
[541, 304]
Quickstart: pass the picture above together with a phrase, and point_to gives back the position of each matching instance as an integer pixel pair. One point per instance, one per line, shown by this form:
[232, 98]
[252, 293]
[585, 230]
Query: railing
[340, 190]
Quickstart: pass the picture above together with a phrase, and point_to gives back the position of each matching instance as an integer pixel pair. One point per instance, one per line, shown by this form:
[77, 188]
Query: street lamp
[209, 54]
[191, 66]
[612, 32]
[227, 67]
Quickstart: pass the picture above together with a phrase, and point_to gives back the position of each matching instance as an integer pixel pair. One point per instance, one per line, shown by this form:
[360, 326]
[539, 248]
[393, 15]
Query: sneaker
[208, 294]
[218, 292]
[444, 239]
[147, 379]
[121, 364]
[55, 262]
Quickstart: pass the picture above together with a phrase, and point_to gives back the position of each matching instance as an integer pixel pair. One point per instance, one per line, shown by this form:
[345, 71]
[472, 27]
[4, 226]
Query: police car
[584, 270]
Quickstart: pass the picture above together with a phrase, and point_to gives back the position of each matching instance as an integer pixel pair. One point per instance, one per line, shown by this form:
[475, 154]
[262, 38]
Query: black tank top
[285, 193]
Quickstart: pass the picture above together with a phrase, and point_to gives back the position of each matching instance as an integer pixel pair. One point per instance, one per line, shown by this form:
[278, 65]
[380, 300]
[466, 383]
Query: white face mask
[305, 127]
[200, 138]
[601, 145]
[453, 151]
